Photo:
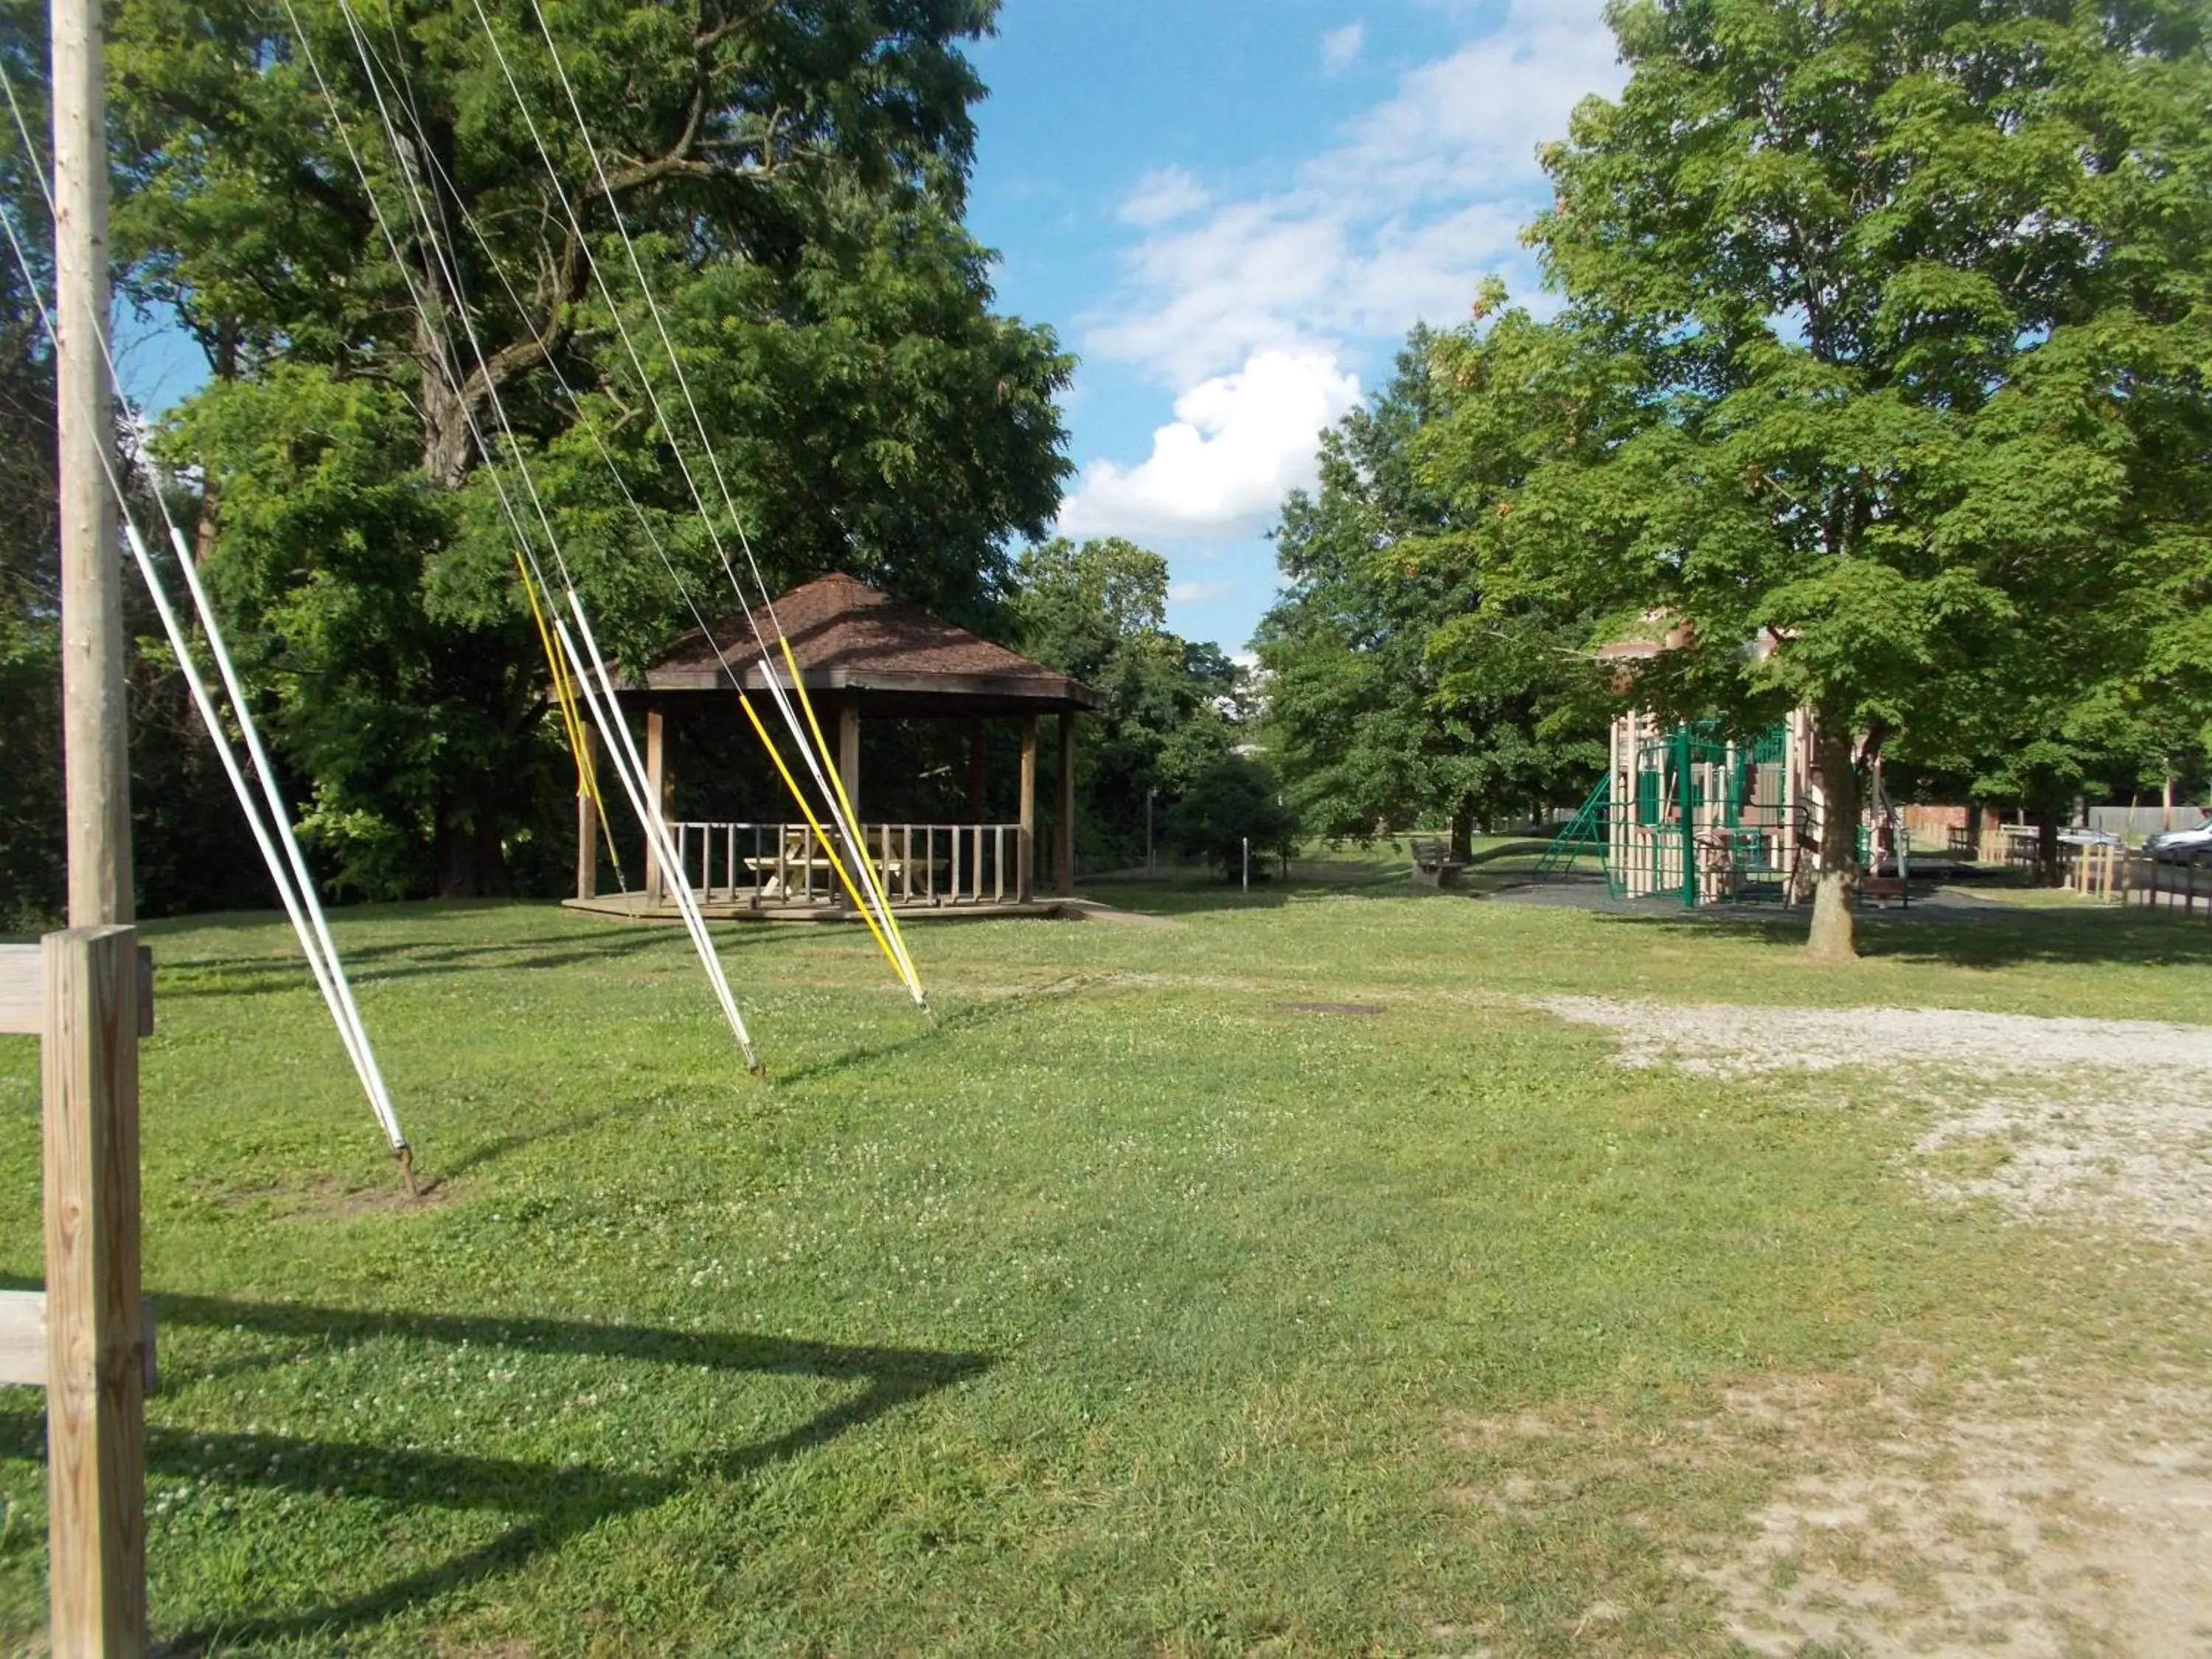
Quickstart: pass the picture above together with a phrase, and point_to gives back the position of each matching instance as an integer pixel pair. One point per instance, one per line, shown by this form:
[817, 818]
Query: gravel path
[2100, 1120]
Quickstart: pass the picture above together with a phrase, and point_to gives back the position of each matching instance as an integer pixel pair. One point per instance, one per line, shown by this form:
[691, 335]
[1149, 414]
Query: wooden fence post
[95, 1330]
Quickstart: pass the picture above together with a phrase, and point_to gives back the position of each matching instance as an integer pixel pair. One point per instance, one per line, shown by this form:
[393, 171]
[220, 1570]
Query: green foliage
[1097, 610]
[1234, 803]
[1387, 702]
[31, 867]
[1915, 301]
[794, 175]
[191, 849]
[396, 684]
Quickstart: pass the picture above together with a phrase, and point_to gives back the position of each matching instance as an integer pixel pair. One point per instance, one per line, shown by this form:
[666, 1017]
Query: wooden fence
[768, 865]
[2127, 875]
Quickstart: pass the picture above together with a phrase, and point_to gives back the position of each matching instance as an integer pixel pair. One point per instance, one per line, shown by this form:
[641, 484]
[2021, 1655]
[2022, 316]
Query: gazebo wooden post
[975, 747]
[1025, 843]
[587, 822]
[661, 790]
[848, 775]
[848, 754]
[1064, 831]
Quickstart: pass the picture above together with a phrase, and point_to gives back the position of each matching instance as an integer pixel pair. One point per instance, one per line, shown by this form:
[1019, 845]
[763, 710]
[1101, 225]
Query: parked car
[2082, 836]
[2180, 846]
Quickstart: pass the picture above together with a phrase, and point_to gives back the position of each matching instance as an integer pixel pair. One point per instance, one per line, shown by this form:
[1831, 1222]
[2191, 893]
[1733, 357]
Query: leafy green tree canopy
[1097, 610]
[794, 174]
[1233, 804]
[1916, 295]
[1385, 704]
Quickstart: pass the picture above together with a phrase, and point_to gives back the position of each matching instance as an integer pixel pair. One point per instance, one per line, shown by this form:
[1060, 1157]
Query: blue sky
[1233, 211]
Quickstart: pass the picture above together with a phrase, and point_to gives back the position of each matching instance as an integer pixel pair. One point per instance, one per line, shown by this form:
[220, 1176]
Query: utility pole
[96, 751]
[96, 1339]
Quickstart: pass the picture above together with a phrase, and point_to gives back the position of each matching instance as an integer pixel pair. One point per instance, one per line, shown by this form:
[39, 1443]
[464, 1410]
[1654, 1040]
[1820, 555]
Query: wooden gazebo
[862, 656]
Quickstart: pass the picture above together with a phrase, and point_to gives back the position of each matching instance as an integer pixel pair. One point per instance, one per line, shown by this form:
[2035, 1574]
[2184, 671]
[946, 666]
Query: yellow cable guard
[820, 834]
[901, 961]
[572, 716]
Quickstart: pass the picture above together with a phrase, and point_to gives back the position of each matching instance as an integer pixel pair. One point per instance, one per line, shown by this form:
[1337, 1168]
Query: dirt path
[2101, 1121]
[2040, 1521]
[2045, 1530]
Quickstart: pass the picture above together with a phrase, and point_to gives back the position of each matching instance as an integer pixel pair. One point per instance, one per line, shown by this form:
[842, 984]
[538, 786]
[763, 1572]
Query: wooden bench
[1434, 865]
[1883, 890]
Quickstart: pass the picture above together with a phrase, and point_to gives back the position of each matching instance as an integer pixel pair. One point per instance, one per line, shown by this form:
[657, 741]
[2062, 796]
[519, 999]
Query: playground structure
[1689, 811]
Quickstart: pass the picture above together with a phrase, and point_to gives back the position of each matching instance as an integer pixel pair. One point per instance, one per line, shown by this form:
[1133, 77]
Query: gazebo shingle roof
[849, 636]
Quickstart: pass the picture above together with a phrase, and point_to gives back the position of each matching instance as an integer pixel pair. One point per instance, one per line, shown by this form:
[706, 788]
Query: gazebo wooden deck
[862, 656]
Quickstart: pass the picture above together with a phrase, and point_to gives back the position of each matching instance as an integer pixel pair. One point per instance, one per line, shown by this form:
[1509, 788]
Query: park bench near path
[1434, 865]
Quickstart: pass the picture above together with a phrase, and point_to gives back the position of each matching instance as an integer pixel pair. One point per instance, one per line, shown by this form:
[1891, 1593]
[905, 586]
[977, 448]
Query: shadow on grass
[498, 1147]
[369, 964]
[965, 1016]
[1990, 937]
[1184, 894]
[556, 1502]
[1184, 898]
[199, 921]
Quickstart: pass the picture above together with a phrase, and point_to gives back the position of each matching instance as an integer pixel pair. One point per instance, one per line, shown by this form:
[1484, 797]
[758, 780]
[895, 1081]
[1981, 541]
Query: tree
[31, 844]
[1383, 704]
[1919, 290]
[1097, 610]
[1233, 803]
[794, 175]
[190, 848]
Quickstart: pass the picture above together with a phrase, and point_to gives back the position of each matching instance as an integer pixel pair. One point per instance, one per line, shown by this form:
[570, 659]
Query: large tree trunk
[1835, 900]
[223, 363]
[471, 856]
[1462, 836]
[448, 446]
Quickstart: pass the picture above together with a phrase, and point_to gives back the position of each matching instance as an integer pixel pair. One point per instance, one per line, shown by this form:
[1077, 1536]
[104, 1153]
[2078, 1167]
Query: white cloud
[1249, 278]
[1197, 592]
[1238, 444]
[1475, 118]
[1162, 198]
[1396, 222]
[1252, 307]
[1340, 48]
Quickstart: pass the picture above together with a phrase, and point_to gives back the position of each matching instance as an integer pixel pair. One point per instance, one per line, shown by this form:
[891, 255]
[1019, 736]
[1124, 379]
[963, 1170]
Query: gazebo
[862, 656]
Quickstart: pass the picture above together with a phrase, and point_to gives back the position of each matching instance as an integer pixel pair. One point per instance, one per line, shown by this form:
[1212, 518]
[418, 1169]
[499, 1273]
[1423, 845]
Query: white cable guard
[631, 770]
[323, 961]
[849, 831]
[632, 787]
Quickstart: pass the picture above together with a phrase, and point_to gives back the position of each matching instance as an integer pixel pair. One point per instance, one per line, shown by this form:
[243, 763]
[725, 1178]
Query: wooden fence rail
[23, 990]
[783, 864]
[2130, 876]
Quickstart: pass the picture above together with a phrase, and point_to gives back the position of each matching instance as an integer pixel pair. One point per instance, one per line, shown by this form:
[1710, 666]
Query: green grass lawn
[1127, 1311]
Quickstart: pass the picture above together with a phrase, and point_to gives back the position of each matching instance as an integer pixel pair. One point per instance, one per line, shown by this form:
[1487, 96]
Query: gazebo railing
[773, 865]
